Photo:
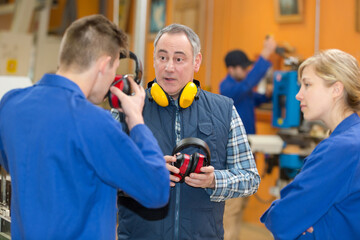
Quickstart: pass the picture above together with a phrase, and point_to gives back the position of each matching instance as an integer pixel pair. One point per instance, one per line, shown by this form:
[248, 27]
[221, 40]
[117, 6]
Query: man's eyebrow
[180, 52]
[177, 52]
[162, 51]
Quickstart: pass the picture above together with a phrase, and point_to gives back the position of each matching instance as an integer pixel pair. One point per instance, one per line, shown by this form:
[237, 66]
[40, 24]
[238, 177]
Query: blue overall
[245, 99]
[325, 195]
[67, 158]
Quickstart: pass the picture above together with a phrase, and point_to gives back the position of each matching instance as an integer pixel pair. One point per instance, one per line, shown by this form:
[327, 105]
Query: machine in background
[5, 197]
[296, 138]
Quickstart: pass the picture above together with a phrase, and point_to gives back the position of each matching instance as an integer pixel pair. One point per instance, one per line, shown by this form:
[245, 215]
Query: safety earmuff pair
[190, 163]
[122, 81]
[188, 94]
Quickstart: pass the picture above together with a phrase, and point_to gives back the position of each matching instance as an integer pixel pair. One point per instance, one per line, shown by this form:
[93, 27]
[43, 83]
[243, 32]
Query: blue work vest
[190, 214]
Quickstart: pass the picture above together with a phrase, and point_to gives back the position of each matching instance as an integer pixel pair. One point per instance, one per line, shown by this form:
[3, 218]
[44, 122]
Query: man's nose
[170, 66]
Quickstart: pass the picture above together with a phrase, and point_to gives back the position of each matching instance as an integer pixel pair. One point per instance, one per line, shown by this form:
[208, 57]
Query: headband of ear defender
[188, 94]
[192, 142]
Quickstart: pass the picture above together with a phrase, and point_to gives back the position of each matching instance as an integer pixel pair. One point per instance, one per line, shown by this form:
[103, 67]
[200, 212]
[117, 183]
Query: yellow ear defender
[187, 95]
[190, 92]
[158, 95]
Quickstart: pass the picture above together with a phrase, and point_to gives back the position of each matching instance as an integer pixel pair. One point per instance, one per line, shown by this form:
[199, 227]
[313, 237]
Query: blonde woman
[323, 201]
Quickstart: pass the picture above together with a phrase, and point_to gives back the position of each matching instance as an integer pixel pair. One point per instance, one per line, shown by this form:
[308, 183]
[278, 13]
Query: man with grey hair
[176, 109]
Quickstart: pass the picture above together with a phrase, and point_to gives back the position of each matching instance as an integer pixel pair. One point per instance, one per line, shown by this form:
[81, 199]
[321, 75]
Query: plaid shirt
[241, 177]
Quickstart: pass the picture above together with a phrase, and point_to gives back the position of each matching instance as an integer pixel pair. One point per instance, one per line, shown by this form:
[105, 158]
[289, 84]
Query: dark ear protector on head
[188, 94]
[190, 163]
[122, 81]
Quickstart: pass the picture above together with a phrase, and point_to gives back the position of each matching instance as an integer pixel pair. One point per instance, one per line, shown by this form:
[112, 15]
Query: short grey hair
[178, 28]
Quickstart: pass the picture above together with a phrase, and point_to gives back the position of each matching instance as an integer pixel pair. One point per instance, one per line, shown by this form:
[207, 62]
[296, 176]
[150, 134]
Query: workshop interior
[31, 30]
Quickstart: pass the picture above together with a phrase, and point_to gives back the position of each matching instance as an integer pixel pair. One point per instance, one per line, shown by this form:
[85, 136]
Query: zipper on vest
[177, 187]
[177, 212]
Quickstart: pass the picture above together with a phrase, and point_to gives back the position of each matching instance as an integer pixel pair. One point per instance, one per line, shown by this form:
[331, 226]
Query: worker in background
[323, 201]
[242, 76]
[67, 157]
[196, 206]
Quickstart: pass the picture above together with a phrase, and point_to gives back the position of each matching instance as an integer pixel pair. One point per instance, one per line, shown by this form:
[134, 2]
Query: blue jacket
[67, 158]
[245, 99]
[325, 195]
[190, 214]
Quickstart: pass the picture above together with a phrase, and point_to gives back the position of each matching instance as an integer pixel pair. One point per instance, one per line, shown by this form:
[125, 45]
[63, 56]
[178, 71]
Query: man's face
[238, 72]
[174, 64]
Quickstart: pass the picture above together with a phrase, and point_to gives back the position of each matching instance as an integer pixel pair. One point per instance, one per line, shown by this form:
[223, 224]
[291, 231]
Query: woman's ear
[338, 89]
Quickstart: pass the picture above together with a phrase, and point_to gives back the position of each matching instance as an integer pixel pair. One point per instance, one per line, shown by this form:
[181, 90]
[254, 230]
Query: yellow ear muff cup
[159, 95]
[188, 95]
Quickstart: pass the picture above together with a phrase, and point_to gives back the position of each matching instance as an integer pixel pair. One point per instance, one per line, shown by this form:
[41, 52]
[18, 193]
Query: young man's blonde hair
[89, 38]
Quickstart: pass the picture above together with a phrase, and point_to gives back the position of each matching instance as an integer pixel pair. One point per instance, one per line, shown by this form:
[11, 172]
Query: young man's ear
[104, 62]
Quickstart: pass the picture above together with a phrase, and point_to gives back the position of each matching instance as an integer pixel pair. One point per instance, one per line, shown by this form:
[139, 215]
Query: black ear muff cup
[188, 164]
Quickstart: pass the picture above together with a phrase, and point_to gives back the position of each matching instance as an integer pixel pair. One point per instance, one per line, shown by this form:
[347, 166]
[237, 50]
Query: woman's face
[316, 99]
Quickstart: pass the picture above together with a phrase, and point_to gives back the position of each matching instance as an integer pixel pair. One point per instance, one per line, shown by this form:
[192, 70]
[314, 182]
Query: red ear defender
[122, 83]
[199, 160]
[183, 163]
[191, 163]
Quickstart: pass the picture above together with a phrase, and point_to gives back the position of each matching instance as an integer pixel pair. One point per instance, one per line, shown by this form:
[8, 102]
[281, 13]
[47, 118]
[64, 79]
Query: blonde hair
[333, 66]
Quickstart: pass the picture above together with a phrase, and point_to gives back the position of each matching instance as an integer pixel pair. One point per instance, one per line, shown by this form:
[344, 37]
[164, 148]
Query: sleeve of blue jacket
[134, 164]
[322, 182]
[3, 158]
[236, 90]
[260, 98]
